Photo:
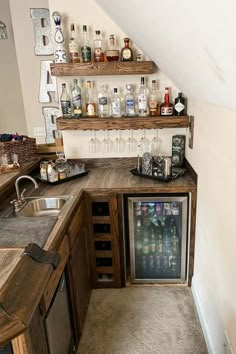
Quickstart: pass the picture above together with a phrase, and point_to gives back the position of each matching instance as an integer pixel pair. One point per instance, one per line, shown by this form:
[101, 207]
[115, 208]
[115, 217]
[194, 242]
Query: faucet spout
[17, 184]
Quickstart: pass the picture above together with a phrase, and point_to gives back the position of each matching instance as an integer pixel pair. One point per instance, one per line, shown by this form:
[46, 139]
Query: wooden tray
[64, 179]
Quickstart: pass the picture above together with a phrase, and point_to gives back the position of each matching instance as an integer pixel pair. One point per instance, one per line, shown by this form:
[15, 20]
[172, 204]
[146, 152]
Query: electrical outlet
[39, 131]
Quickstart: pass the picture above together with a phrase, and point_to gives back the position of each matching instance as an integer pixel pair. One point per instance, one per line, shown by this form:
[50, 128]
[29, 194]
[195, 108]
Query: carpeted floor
[142, 320]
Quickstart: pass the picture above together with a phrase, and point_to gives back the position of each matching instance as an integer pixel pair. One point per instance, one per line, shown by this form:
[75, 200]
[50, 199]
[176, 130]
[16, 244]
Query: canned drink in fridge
[144, 209]
[167, 208]
[151, 209]
[175, 208]
[159, 209]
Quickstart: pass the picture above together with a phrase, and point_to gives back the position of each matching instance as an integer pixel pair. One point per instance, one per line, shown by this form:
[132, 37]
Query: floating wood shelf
[122, 123]
[103, 68]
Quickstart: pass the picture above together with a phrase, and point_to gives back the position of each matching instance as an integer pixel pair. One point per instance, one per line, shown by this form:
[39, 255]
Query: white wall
[28, 62]
[12, 115]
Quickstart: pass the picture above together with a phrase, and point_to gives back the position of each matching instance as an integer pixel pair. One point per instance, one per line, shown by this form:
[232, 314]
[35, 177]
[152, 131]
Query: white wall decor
[50, 115]
[3, 30]
[42, 31]
[48, 83]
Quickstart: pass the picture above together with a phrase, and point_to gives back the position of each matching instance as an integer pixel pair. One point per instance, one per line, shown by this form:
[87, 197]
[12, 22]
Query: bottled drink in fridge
[65, 103]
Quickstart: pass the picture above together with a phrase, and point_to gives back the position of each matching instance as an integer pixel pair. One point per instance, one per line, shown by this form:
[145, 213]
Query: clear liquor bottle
[76, 100]
[112, 53]
[103, 103]
[116, 105]
[73, 46]
[153, 100]
[65, 103]
[98, 53]
[129, 102]
[86, 49]
[91, 105]
[167, 108]
[126, 52]
[143, 100]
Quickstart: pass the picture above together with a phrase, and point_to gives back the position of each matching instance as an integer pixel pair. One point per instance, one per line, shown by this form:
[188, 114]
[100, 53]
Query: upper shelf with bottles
[103, 68]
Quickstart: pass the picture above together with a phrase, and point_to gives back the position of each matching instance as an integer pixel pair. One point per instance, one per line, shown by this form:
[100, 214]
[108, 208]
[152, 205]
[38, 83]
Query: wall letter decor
[42, 31]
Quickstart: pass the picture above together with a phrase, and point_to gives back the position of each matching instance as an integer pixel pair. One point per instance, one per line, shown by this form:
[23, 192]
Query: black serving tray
[176, 172]
[64, 179]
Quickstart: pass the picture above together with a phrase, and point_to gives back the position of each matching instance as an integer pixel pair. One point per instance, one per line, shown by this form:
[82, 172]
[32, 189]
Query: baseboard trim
[202, 319]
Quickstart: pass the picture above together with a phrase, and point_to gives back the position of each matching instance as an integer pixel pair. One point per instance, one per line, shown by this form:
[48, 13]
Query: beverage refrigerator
[156, 235]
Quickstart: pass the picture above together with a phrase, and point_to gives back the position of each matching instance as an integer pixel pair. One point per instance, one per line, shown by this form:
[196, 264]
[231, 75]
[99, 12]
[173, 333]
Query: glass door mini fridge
[157, 241]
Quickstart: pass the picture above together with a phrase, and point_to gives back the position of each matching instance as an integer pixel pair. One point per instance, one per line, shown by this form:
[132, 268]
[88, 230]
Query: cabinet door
[80, 279]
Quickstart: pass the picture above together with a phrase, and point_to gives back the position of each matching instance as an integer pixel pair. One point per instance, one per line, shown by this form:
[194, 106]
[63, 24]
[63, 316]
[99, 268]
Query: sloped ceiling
[192, 42]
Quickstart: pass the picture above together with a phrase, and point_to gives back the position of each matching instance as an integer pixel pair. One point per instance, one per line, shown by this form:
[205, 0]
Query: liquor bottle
[116, 104]
[146, 247]
[65, 103]
[91, 105]
[126, 52]
[73, 46]
[167, 242]
[152, 244]
[153, 100]
[159, 242]
[167, 108]
[98, 54]
[112, 54]
[143, 100]
[138, 238]
[180, 105]
[76, 100]
[103, 103]
[86, 49]
[175, 242]
[129, 102]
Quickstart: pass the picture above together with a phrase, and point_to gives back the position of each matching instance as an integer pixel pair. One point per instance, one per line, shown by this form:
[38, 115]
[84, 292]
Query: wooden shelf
[103, 254]
[101, 219]
[106, 270]
[122, 123]
[102, 237]
[103, 68]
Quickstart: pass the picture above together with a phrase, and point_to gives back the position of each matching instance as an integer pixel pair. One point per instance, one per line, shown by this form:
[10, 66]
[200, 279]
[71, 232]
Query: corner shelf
[122, 123]
[103, 68]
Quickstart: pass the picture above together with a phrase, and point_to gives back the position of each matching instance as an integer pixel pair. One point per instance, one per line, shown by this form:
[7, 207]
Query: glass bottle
[129, 102]
[167, 108]
[103, 103]
[143, 100]
[85, 49]
[98, 54]
[73, 46]
[112, 54]
[65, 103]
[153, 100]
[76, 100]
[126, 52]
[91, 105]
[180, 105]
[116, 105]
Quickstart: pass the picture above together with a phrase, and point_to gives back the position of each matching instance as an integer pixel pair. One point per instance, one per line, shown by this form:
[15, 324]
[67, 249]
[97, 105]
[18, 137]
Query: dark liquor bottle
[126, 52]
[180, 105]
[86, 49]
[65, 103]
[167, 108]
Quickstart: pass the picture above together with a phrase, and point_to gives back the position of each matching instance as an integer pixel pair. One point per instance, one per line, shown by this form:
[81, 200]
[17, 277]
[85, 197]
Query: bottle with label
[112, 53]
[73, 46]
[98, 53]
[116, 105]
[76, 100]
[146, 242]
[153, 100]
[167, 108]
[180, 105]
[85, 49]
[152, 244]
[126, 52]
[129, 102]
[65, 103]
[103, 103]
[143, 100]
[175, 242]
[91, 105]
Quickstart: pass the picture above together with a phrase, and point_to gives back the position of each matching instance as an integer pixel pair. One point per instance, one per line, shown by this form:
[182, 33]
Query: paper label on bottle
[115, 108]
[126, 54]
[90, 109]
[130, 106]
[179, 107]
[142, 101]
[153, 103]
[103, 101]
[166, 111]
[98, 54]
[86, 54]
[66, 107]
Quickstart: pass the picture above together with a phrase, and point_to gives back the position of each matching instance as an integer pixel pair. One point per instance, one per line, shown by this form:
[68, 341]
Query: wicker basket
[25, 149]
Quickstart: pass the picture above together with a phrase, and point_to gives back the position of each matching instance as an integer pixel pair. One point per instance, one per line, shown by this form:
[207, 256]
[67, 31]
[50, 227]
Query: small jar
[43, 170]
[52, 172]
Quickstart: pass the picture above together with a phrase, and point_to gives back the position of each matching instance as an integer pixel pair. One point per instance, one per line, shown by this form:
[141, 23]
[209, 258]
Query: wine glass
[144, 143]
[119, 144]
[156, 144]
[94, 143]
[106, 143]
[131, 142]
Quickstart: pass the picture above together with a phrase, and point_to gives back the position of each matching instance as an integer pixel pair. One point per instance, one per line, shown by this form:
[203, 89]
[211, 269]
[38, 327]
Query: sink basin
[43, 206]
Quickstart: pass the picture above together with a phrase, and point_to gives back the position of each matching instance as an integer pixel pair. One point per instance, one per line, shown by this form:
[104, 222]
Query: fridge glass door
[158, 239]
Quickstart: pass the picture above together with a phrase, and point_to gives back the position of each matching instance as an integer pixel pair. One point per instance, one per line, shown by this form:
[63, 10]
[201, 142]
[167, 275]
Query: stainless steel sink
[43, 206]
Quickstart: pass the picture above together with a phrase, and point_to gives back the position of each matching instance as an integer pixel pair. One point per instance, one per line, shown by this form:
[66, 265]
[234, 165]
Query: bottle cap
[72, 27]
[142, 80]
[97, 31]
[129, 87]
[115, 90]
[75, 81]
[84, 28]
[180, 94]
[154, 81]
[126, 39]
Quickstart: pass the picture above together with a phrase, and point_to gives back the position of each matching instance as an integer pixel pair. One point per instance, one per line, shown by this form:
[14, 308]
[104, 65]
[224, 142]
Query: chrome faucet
[19, 202]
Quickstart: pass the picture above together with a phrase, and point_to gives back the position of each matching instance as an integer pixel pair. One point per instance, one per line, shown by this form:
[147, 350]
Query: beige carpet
[142, 320]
